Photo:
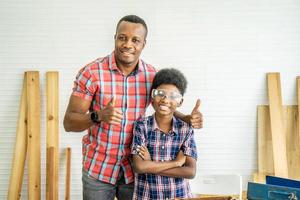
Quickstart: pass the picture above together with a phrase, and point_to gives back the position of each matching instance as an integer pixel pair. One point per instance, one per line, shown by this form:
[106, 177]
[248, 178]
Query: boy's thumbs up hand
[110, 114]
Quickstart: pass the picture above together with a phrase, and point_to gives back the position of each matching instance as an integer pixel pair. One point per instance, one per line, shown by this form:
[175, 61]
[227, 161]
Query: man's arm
[195, 118]
[78, 119]
[187, 171]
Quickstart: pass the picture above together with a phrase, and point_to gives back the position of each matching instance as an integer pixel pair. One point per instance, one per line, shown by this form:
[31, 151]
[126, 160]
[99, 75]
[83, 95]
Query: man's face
[129, 43]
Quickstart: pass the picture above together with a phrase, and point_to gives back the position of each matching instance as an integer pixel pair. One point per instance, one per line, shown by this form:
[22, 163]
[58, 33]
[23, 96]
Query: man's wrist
[186, 118]
[95, 117]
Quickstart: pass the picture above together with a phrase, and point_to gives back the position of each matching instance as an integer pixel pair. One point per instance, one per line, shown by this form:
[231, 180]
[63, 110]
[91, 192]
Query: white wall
[224, 48]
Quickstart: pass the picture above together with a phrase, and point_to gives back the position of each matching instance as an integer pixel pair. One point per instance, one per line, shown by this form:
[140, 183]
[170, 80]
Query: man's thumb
[197, 106]
[112, 102]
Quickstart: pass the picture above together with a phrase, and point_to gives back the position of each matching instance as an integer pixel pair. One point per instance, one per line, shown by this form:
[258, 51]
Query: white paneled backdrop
[224, 48]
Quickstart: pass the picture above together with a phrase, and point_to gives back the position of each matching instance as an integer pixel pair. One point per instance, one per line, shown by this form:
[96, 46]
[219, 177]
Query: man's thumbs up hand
[196, 118]
[110, 114]
[112, 102]
[197, 106]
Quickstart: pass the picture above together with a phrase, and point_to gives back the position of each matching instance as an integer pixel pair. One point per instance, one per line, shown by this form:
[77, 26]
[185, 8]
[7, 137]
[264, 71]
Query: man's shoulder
[93, 67]
[148, 67]
[101, 62]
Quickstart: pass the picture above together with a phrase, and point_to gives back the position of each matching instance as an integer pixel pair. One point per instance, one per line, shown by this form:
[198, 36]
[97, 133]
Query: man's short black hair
[133, 19]
[170, 76]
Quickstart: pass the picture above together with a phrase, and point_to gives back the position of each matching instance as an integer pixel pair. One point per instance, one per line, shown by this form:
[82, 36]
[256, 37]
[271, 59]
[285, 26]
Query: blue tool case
[275, 189]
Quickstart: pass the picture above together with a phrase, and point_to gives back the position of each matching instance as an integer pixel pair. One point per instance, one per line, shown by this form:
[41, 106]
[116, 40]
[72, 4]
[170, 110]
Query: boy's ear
[178, 105]
[151, 101]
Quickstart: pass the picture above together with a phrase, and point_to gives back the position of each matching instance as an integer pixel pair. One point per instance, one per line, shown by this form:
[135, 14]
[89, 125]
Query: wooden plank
[259, 177]
[298, 100]
[265, 156]
[292, 138]
[52, 120]
[33, 132]
[68, 173]
[51, 173]
[17, 170]
[264, 141]
[277, 130]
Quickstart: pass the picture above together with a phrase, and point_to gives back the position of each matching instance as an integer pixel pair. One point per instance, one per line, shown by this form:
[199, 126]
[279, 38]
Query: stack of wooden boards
[28, 139]
[278, 143]
[278, 134]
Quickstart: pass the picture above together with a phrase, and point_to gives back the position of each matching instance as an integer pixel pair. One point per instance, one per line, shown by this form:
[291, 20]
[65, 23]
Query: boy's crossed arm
[182, 167]
[188, 170]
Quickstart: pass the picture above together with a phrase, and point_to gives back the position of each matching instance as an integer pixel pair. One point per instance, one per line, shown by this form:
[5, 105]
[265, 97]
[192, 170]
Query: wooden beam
[298, 100]
[277, 130]
[33, 132]
[52, 141]
[18, 161]
[51, 173]
[293, 148]
[259, 177]
[265, 147]
[68, 173]
[264, 141]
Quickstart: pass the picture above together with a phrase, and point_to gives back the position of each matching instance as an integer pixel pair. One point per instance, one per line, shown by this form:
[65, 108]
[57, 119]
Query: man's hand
[110, 114]
[195, 118]
[143, 152]
[180, 159]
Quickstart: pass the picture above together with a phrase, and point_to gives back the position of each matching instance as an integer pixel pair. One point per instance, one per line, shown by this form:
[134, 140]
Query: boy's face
[165, 99]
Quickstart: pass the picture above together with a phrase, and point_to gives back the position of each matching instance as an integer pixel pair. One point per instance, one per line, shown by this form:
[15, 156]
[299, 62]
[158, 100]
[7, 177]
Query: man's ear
[144, 44]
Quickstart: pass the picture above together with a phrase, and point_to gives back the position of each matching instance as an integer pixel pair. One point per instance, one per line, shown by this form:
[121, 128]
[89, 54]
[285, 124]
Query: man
[109, 94]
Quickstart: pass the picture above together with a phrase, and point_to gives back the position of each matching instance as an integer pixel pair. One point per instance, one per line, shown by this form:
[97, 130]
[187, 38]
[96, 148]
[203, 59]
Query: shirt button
[162, 147]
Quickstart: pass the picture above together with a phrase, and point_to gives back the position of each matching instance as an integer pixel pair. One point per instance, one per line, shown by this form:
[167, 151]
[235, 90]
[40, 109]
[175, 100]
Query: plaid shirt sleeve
[84, 85]
[138, 136]
[189, 144]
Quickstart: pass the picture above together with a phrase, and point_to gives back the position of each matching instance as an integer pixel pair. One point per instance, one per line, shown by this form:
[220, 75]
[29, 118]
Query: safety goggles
[173, 96]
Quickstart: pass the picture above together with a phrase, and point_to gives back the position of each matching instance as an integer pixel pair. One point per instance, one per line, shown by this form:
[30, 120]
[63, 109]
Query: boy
[163, 148]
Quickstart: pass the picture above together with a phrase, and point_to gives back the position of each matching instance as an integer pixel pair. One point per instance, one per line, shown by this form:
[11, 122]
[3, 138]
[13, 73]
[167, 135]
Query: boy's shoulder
[147, 122]
[144, 120]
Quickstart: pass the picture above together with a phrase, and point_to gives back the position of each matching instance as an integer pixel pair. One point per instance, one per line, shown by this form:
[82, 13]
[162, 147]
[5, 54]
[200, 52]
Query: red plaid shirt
[106, 148]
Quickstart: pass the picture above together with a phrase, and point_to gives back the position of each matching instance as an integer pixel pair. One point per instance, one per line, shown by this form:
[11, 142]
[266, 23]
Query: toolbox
[276, 188]
[273, 180]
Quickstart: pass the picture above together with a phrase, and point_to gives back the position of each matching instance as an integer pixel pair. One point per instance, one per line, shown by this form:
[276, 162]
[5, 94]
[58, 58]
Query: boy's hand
[195, 118]
[180, 159]
[143, 152]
